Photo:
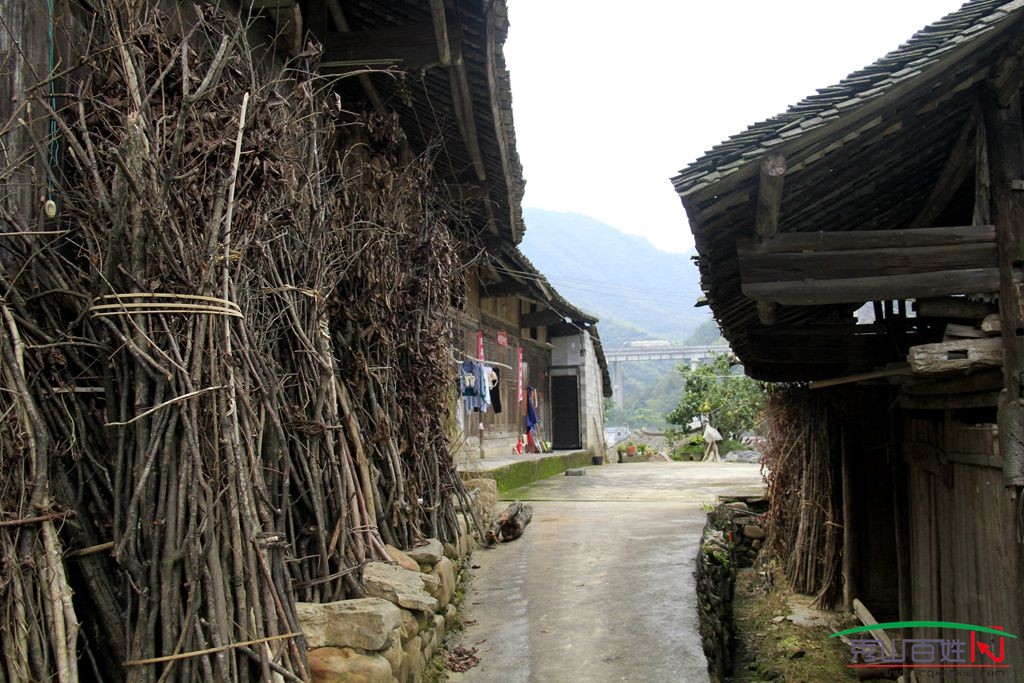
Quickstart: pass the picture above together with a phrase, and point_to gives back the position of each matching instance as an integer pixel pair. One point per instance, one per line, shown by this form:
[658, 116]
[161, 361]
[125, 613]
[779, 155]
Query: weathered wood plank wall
[962, 532]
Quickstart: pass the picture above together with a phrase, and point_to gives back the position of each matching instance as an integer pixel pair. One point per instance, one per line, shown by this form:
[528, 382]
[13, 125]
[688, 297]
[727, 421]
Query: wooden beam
[982, 183]
[954, 172]
[766, 312]
[437, 14]
[563, 330]
[859, 290]
[861, 377]
[805, 269]
[851, 583]
[468, 191]
[1005, 129]
[287, 19]
[541, 318]
[766, 218]
[861, 263]
[506, 288]
[868, 239]
[495, 74]
[412, 47]
[958, 355]
[462, 103]
[868, 620]
[341, 23]
[953, 307]
[988, 399]
[1007, 76]
[981, 380]
[769, 195]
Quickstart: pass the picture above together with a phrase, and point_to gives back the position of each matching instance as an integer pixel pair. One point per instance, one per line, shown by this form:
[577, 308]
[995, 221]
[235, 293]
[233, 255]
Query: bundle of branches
[804, 517]
[226, 360]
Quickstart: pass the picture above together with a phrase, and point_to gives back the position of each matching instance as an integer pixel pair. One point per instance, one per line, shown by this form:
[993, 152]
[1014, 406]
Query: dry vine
[227, 359]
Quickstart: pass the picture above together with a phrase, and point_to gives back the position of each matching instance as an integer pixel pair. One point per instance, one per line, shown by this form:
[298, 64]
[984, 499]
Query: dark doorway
[565, 412]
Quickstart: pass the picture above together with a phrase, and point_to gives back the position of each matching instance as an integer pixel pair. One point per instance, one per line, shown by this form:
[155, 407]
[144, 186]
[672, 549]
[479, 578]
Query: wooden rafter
[341, 23]
[958, 164]
[437, 15]
[462, 103]
[287, 19]
[411, 47]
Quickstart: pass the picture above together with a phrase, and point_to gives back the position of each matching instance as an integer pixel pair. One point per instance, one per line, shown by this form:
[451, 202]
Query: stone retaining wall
[732, 539]
[392, 634]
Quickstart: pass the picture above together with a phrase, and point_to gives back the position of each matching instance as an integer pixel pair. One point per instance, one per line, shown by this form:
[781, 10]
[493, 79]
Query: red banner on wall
[480, 344]
[519, 374]
[503, 338]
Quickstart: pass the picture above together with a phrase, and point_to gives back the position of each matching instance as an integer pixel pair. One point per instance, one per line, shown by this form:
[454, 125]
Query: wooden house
[518, 317]
[318, 203]
[870, 240]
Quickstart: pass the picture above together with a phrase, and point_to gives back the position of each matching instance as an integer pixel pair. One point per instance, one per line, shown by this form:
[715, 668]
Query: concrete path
[600, 588]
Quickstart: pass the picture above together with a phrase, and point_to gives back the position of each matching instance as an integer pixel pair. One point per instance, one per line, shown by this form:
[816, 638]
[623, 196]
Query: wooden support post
[850, 587]
[982, 183]
[1005, 130]
[901, 515]
[769, 202]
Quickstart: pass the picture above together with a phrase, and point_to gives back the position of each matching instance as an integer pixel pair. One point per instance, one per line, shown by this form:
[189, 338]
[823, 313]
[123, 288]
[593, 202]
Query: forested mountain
[638, 292]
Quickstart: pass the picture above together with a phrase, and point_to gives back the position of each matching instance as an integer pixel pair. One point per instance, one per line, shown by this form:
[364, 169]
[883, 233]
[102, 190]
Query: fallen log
[511, 523]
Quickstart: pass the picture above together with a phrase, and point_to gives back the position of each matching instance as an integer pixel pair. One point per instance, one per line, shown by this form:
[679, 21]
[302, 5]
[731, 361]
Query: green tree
[718, 392]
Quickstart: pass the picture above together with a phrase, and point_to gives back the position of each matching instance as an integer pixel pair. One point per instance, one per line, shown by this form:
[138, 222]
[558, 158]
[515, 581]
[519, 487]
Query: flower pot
[631, 451]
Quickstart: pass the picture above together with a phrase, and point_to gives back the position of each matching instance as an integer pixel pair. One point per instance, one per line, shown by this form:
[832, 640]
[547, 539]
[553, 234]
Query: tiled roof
[864, 154]
[927, 48]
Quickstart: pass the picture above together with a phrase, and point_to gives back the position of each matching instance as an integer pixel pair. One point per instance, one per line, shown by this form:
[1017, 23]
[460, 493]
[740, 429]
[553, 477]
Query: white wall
[591, 397]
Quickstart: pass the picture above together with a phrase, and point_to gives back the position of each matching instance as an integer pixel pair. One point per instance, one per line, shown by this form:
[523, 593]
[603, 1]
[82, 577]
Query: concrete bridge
[632, 354]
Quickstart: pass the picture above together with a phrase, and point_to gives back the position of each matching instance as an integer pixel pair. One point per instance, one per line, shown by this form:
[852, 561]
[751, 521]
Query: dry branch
[274, 383]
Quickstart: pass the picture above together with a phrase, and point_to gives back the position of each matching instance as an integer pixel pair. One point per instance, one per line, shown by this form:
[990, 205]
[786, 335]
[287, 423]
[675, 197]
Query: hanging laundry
[483, 388]
[495, 382]
[486, 372]
[531, 412]
[473, 386]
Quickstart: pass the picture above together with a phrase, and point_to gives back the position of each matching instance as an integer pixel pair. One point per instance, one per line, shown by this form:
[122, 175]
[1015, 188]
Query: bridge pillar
[617, 383]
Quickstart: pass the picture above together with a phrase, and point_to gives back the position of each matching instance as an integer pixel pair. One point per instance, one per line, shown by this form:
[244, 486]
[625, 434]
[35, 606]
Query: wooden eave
[442, 71]
[871, 165]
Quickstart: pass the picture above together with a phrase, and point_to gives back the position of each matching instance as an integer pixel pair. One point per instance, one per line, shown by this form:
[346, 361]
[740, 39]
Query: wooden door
[565, 412]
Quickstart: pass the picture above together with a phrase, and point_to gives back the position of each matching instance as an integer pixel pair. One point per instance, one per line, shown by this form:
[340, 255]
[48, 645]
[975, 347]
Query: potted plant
[620, 450]
[630, 449]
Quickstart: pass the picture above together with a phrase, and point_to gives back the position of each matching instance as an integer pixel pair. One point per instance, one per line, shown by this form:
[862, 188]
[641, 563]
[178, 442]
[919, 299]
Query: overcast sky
[612, 99]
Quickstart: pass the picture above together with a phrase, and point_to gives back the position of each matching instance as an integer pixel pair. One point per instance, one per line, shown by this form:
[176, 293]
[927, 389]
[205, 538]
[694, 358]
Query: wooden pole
[850, 591]
[901, 515]
[1006, 168]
